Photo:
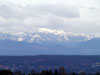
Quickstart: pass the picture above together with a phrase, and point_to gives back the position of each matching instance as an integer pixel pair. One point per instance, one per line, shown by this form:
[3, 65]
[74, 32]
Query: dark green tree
[62, 71]
[50, 72]
[74, 73]
[55, 72]
[18, 72]
[97, 73]
[6, 72]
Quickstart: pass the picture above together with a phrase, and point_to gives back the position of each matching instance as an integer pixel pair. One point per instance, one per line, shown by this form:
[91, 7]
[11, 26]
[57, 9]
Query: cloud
[24, 18]
[56, 32]
[58, 10]
[13, 11]
[17, 11]
[17, 18]
[2, 21]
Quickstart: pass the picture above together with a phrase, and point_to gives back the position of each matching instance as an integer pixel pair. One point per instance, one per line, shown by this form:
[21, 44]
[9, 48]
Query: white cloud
[56, 32]
[19, 18]
[77, 17]
[58, 10]
[17, 11]
[2, 21]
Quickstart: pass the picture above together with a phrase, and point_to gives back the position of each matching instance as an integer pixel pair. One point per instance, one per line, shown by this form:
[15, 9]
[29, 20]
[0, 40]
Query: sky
[78, 16]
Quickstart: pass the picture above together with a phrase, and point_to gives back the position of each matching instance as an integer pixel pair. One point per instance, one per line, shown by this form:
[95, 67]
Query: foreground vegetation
[61, 71]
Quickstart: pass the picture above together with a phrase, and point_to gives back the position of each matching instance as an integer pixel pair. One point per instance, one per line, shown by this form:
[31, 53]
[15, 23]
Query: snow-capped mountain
[46, 41]
[44, 35]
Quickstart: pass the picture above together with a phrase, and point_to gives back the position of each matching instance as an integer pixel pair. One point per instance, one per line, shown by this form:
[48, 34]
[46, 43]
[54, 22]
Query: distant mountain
[9, 47]
[50, 42]
[90, 47]
[47, 36]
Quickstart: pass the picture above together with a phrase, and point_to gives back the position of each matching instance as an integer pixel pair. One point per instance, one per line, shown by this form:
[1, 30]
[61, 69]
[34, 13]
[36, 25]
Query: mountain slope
[66, 39]
[90, 47]
[47, 41]
[9, 47]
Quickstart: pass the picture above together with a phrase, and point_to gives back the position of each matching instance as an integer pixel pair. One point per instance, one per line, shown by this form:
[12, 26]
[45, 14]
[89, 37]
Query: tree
[32, 72]
[97, 73]
[6, 72]
[82, 73]
[73, 73]
[50, 72]
[18, 72]
[43, 72]
[55, 72]
[62, 71]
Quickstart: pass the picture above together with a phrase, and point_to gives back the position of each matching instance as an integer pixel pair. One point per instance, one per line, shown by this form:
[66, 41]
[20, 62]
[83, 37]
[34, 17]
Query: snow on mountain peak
[67, 35]
[48, 35]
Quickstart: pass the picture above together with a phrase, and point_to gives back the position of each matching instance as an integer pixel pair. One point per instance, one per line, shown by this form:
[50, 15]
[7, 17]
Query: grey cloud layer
[19, 18]
[17, 11]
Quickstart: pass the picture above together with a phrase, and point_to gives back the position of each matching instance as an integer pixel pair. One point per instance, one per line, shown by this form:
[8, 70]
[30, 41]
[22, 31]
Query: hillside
[90, 47]
[9, 47]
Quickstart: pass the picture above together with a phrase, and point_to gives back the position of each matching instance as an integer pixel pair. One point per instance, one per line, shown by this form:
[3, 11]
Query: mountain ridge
[9, 47]
[49, 42]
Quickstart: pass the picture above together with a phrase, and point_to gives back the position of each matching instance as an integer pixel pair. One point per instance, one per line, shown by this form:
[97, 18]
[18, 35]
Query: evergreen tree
[56, 72]
[6, 72]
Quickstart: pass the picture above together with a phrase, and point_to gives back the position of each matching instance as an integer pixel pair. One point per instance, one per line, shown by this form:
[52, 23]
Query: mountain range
[49, 42]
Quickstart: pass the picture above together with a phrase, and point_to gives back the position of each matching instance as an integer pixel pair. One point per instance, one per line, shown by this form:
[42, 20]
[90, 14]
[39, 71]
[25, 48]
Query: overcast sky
[80, 16]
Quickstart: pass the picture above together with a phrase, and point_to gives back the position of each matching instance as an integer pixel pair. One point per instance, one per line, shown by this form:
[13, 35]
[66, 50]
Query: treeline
[61, 71]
